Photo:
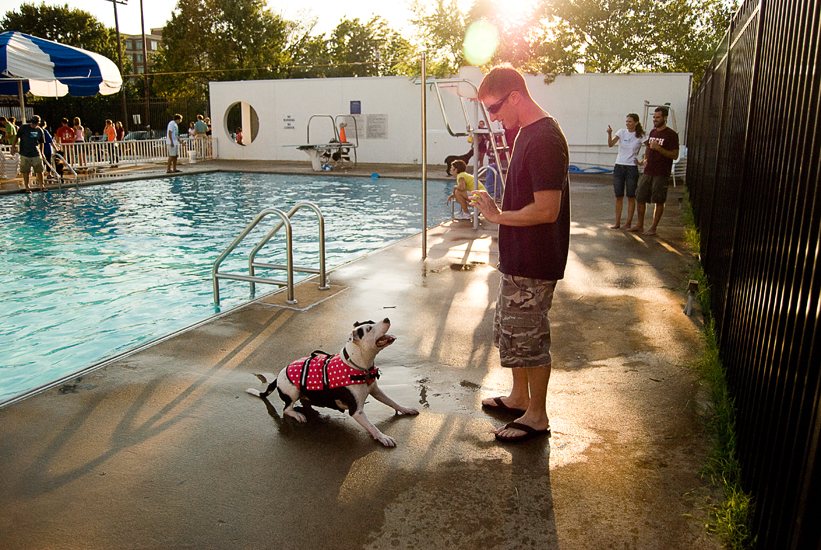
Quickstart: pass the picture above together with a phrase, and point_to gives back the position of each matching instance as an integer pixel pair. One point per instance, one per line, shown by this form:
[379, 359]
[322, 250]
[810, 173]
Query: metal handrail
[323, 283]
[333, 123]
[57, 176]
[470, 131]
[288, 267]
[498, 173]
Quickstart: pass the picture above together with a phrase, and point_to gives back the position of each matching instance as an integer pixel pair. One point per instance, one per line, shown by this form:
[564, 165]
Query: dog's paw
[298, 416]
[386, 440]
[407, 410]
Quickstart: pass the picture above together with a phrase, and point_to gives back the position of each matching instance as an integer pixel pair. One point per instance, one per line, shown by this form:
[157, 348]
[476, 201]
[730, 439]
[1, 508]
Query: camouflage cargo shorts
[521, 329]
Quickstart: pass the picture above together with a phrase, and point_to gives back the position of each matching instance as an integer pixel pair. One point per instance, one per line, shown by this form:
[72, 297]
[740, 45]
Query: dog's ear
[356, 324]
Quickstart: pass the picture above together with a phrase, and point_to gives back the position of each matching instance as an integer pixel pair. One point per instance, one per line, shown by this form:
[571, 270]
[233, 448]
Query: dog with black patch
[342, 381]
[450, 158]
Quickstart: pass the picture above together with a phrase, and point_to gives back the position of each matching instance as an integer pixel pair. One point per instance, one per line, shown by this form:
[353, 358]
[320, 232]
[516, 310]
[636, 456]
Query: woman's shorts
[173, 150]
[652, 189]
[627, 176]
[521, 329]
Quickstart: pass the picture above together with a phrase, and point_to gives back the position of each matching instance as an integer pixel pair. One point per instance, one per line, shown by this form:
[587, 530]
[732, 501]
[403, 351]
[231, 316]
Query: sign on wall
[288, 122]
[356, 107]
[377, 127]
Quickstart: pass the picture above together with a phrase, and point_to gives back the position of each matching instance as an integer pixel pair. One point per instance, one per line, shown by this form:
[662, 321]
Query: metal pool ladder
[289, 267]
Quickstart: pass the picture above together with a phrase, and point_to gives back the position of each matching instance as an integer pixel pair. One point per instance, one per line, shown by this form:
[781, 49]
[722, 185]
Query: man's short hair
[199, 117]
[501, 80]
[64, 121]
[35, 119]
[665, 112]
[459, 165]
[177, 117]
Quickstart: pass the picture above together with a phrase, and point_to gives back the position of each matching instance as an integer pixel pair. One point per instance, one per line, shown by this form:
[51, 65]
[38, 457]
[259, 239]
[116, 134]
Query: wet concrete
[164, 449]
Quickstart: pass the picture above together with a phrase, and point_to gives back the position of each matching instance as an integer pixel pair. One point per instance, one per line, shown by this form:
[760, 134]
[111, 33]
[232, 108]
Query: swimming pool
[87, 274]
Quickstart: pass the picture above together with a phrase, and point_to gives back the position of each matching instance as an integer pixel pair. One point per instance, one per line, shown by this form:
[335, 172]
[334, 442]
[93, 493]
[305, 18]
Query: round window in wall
[242, 123]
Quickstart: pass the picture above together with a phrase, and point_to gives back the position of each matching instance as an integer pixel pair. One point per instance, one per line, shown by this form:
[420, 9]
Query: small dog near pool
[342, 381]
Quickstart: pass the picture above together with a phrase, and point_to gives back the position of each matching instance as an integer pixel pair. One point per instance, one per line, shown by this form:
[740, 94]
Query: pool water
[87, 274]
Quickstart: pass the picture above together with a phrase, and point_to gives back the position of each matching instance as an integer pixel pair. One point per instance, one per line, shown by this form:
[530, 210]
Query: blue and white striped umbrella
[51, 69]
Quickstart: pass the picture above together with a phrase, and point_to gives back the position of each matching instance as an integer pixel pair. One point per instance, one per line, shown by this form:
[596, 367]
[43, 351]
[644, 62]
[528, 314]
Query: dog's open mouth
[386, 340]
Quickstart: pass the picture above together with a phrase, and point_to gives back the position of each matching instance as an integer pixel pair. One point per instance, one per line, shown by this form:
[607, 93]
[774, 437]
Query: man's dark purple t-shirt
[658, 164]
[540, 162]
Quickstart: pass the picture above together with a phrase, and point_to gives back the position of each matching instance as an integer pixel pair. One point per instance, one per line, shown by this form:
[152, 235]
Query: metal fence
[92, 160]
[753, 175]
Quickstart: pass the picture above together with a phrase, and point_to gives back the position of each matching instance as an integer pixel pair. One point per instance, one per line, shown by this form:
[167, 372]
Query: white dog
[341, 381]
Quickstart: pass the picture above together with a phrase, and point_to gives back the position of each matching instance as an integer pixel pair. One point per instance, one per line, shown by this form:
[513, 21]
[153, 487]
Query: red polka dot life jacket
[322, 371]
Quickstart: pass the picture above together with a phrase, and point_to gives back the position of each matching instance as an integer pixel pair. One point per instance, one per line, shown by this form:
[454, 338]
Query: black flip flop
[501, 407]
[529, 433]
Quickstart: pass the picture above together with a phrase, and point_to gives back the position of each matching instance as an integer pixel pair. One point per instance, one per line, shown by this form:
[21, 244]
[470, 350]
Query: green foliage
[65, 25]
[568, 36]
[207, 40]
[440, 32]
[369, 49]
[62, 24]
[729, 519]
[69, 26]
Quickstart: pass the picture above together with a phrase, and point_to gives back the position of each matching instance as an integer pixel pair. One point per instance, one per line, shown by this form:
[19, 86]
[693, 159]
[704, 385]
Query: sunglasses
[493, 109]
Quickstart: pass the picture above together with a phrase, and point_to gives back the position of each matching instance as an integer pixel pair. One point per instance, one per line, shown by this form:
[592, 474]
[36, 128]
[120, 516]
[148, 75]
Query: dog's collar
[351, 361]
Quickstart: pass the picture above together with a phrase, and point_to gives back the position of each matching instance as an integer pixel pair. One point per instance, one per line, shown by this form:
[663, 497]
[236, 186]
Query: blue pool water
[86, 274]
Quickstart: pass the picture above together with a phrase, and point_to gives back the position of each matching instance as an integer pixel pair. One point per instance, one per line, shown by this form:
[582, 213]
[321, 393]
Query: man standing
[9, 130]
[172, 142]
[534, 237]
[661, 151]
[200, 131]
[65, 133]
[200, 127]
[31, 141]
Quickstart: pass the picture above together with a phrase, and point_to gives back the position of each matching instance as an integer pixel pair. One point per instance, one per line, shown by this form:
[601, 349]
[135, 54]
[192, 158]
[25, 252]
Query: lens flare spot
[481, 40]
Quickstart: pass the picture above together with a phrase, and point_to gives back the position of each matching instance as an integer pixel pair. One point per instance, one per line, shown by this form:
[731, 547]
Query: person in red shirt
[65, 133]
[662, 150]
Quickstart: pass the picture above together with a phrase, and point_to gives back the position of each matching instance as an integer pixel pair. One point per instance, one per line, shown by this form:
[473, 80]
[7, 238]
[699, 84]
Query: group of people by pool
[661, 149]
[37, 147]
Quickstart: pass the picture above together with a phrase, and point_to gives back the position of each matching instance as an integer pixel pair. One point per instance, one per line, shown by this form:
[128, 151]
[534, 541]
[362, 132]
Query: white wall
[583, 104]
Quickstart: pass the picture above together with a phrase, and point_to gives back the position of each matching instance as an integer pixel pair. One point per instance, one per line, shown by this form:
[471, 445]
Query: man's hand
[482, 200]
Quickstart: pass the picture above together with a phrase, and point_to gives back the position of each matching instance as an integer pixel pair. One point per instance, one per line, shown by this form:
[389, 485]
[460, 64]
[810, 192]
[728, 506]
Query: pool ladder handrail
[289, 267]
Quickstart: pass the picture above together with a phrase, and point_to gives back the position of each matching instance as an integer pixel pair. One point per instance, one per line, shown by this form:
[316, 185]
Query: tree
[209, 40]
[441, 33]
[62, 24]
[568, 36]
[370, 49]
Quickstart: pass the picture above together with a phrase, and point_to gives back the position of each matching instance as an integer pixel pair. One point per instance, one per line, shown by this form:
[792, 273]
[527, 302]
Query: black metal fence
[753, 173]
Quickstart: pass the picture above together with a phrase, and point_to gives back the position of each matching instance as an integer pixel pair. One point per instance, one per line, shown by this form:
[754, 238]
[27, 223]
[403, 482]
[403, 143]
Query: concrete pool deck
[164, 449]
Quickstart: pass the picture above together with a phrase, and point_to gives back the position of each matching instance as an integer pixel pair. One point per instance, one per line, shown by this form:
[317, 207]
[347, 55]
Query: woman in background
[79, 137]
[626, 171]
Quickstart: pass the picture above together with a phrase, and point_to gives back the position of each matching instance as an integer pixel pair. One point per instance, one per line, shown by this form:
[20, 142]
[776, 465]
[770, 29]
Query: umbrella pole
[22, 101]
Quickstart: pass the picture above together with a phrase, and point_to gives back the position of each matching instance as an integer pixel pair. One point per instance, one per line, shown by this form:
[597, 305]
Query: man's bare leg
[519, 397]
[641, 209]
[659, 210]
[536, 414]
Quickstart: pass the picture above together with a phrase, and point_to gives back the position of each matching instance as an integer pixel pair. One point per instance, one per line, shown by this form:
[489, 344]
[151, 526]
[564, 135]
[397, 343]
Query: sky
[157, 12]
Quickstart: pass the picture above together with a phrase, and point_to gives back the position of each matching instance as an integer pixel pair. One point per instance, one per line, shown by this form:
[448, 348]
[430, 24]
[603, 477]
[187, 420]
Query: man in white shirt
[172, 142]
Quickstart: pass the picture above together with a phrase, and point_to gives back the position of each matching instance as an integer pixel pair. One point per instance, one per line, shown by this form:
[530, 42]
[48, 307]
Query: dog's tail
[270, 386]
